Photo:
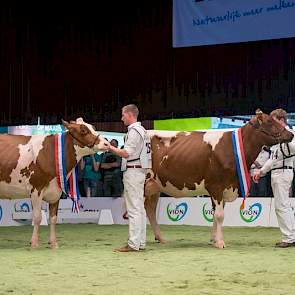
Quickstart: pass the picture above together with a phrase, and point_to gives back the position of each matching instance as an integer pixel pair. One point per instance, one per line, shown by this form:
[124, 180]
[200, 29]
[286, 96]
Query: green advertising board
[183, 124]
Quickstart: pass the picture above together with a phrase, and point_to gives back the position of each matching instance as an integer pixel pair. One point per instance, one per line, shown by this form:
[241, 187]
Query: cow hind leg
[151, 207]
[53, 219]
[217, 236]
[37, 217]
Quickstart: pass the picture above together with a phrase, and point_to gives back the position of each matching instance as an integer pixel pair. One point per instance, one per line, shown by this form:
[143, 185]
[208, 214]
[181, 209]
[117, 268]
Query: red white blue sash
[241, 165]
[68, 184]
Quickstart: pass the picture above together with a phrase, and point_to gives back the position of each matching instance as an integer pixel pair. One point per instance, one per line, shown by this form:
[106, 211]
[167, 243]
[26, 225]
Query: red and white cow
[187, 164]
[27, 168]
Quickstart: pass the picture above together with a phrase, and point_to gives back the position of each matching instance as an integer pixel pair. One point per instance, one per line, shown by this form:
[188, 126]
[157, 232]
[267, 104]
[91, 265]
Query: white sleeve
[289, 129]
[131, 143]
[292, 143]
[262, 158]
[267, 166]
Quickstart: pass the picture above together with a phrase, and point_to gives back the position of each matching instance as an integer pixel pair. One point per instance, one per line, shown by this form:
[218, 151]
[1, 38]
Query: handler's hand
[108, 145]
[281, 122]
[256, 176]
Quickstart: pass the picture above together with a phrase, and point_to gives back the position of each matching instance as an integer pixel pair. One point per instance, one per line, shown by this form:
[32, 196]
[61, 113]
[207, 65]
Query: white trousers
[133, 179]
[281, 181]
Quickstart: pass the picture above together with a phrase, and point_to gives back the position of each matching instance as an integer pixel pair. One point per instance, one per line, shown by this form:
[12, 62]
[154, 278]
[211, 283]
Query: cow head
[271, 131]
[85, 137]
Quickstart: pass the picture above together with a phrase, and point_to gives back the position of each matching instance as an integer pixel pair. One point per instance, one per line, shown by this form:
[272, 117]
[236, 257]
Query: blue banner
[207, 22]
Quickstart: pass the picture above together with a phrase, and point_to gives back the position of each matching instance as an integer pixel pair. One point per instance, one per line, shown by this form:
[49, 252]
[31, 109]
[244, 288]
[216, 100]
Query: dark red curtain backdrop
[68, 60]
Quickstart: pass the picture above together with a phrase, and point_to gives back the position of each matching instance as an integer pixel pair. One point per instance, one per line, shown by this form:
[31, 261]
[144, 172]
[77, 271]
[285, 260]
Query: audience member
[92, 179]
[111, 171]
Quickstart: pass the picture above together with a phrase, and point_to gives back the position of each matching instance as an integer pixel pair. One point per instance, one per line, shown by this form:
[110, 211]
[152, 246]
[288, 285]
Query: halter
[82, 143]
[276, 135]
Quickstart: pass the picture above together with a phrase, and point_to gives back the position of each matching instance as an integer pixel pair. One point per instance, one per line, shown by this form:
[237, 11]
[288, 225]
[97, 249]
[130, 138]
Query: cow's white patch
[166, 135]
[164, 159]
[166, 141]
[217, 234]
[162, 133]
[82, 151]
[80, 121]
[51, 194]
[20, 187]
[101, 146]
[230, 194]
[213, 138]
[171, 190]
[35, 145]
[219, 207]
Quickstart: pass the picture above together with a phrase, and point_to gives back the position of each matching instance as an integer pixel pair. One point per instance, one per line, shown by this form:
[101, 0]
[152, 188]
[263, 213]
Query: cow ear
[79, 120]
[259, 115]
[66, 124]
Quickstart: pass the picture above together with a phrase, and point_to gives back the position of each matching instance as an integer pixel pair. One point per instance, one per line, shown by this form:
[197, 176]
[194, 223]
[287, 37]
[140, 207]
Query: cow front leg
[53, 219]
[151, 208]
[37, 217]
[214, 228]
[214, 231]
[217, 225]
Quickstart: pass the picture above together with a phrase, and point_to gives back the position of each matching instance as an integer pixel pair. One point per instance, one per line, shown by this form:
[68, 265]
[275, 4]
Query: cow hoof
[212, 242]
[160, 241]
[34, 245]
[53, 245]
[219, 244]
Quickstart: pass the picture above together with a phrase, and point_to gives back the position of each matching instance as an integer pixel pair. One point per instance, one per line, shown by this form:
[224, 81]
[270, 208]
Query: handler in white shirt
[281, 166]
[136, 159]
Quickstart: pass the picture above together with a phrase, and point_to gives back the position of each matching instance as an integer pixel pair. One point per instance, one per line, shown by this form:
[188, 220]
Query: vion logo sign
[208, 212]
[176, 212]
[21, 206]
[252, 213]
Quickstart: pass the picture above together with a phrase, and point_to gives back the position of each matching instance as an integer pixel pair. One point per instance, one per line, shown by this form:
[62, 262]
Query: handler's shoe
[126, 248]
[284, 245]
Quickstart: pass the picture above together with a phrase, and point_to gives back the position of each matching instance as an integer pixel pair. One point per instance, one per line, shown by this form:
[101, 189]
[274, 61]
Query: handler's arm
[261, 172]
[129, 147]
[120, 152]
[266, 167]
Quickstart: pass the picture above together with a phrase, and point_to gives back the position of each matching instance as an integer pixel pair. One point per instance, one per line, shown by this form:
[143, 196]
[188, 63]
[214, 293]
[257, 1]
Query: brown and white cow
[187, 164]
[27, 168]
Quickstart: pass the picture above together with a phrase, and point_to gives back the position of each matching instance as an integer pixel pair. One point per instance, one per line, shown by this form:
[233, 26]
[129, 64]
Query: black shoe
[284, 245]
